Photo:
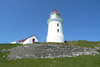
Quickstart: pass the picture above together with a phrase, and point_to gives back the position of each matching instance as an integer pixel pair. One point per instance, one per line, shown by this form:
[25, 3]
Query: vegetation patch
[8, 46]
[79, 61]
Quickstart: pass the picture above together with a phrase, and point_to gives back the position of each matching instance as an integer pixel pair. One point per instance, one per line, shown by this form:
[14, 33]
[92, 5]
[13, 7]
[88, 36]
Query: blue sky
[20, 19]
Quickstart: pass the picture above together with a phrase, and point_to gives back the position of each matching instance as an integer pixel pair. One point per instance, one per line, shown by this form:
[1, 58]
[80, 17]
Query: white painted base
[55, 38]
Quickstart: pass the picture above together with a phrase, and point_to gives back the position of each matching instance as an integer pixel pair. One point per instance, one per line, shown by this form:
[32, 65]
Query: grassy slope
[8, 46]
[80, 61]
[84, 43]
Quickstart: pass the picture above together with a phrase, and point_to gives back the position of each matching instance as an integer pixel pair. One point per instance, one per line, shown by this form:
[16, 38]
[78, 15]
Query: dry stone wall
[48, 51]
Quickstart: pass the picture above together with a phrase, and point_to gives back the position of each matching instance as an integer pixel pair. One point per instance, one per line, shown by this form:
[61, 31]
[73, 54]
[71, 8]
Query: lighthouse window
[57, 30]
[57, 24]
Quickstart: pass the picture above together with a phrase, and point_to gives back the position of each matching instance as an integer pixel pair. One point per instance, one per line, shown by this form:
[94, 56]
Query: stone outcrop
[48, 51]
[5, 50]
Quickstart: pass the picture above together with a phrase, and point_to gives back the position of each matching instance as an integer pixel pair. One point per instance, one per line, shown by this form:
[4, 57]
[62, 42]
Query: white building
[29, 40]
[55, 29]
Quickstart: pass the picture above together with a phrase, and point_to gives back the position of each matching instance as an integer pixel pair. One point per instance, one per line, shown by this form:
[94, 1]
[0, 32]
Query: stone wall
[49, 51]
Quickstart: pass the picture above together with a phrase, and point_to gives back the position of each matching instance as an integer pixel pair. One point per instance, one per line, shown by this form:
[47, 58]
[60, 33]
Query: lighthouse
[55, 28]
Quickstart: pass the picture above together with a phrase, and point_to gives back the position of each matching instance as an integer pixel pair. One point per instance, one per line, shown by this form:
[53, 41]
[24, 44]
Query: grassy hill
[80, 61]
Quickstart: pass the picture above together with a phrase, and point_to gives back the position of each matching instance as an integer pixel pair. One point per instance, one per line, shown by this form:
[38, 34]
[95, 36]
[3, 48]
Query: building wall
[53, 35]
[30, 40]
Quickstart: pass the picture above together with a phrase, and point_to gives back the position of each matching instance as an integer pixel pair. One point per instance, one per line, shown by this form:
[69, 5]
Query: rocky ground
[49, 51]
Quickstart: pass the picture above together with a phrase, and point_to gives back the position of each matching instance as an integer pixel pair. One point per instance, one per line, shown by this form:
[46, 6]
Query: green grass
[64, 44]
[79, 61]
[8, 46]
[83, 43]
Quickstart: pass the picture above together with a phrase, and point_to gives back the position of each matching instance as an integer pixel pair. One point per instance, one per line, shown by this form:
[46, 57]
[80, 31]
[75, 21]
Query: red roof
[55, 10]
[22, 40]
[26, 39]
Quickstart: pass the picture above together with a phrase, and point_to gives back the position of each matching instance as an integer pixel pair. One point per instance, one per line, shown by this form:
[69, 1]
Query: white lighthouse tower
[55, 29]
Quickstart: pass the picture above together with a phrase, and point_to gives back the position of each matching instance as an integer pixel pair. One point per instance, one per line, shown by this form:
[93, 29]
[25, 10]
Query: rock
[4, 50]
[48, 51]
[4, 56]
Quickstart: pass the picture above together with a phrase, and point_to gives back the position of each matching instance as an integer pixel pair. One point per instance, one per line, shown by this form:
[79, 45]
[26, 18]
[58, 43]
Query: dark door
[33, 40]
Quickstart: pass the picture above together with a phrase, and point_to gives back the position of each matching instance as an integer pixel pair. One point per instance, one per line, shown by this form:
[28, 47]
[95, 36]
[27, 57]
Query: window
[57, 30]
[57, 24]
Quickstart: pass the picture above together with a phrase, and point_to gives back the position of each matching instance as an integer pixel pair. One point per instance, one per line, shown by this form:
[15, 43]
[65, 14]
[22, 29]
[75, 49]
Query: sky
[20, 19]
